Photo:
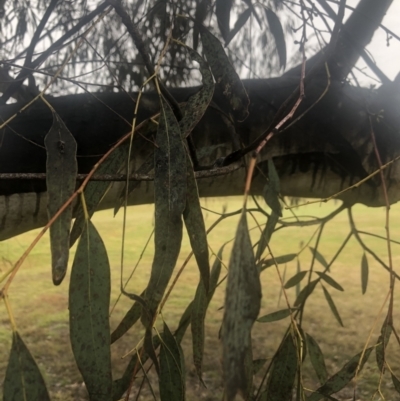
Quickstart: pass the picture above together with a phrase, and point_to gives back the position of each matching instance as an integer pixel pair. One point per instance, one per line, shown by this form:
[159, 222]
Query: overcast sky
[387, 58]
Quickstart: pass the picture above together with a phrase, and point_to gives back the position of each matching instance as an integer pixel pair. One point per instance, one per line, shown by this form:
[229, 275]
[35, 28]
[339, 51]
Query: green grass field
[41, 313]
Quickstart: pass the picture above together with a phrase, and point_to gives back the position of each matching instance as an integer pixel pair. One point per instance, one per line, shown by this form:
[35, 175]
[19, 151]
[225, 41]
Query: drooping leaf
[23, 380]
[340, 379]
[364, 273]
[272, 189]
[298, 270]
[319, 257]
[187, 315]
[305, 292]
[172, 368]
[170, 198]
[381, 344]
[242, 305]
[274, 316]
[328, 279]
[89, 301]
[199, 102]
[295, 279]
[266, 235]
[281, 379]
[198, 313]
[223, 13]
[276, 29]
[396, 383]
[278, 260]
[201, 12]
[225, 75]
[195, 226]
[332, 306]
[317, 359]
[95, 190]
[61, 171]
[240, 22]
[130, 318]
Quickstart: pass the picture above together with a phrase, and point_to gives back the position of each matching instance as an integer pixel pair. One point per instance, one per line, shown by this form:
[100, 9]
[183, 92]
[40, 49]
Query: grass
[41, 310]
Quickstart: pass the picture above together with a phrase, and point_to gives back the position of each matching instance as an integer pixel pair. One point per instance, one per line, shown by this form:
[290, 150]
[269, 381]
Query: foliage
[174, 30]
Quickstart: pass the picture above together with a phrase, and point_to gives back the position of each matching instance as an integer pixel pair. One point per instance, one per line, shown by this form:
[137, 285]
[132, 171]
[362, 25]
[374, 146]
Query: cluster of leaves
[177, 202]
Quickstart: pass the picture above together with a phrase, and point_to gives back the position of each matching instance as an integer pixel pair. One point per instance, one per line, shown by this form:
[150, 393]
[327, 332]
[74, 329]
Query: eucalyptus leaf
[332, 306]
[89, 301]
[274, 316]
[242, 305]
[278, 260]
[295, 279]
[170, 199]
[328, 279]
[172, 368]
[283, 372]
[317, 359]
[276, 29]
[340, 379]
[23, 380]
[61, 171]
[364, 273]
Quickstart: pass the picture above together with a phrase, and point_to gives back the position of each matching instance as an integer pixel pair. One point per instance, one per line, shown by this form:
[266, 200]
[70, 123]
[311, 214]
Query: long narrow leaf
[23, 380]
[61, 171]
[242, 305]
[328, 279]
[170, 198]
[340, 379]
[231, 85]
[364, 273]
[317, 359]
[172, 368]
[89, 301]
[281, 379]
[276, 29]
[332, 306]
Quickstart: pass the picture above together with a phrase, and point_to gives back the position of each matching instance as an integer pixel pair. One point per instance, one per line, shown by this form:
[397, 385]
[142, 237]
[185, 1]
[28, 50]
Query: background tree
[307, 133]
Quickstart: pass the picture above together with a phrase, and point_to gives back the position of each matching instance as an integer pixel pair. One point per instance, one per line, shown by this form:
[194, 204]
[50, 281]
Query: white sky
[387, 58]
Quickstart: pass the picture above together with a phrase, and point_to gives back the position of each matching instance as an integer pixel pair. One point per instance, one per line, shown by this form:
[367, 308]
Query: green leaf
[240, 22]
[266, 235]
[340, 379]
[23, 380]
[281, 379]
[332, 306]
[223, 13]
[278, 260]
[224, 74]
[274, 316]
[305, 292]
[242, 305]
[276, 29]
[95, 190]
[396, 383]
[170, 198]
[319, 257]
[364, 273]
[298, 288]
[89, 301]
[195, 226]
[295, 279]
[172, 368]
[198, 103]
[330, 281]
[198, 313]
[130, 318]
[381, 344]
[61, 171]
[272, 189]
[317, 359]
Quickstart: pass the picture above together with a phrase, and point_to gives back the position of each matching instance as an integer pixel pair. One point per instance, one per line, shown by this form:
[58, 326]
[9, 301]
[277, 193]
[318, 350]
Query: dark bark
[324, 149]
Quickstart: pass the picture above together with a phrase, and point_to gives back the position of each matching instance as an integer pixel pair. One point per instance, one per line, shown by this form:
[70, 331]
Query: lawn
[41, 314]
